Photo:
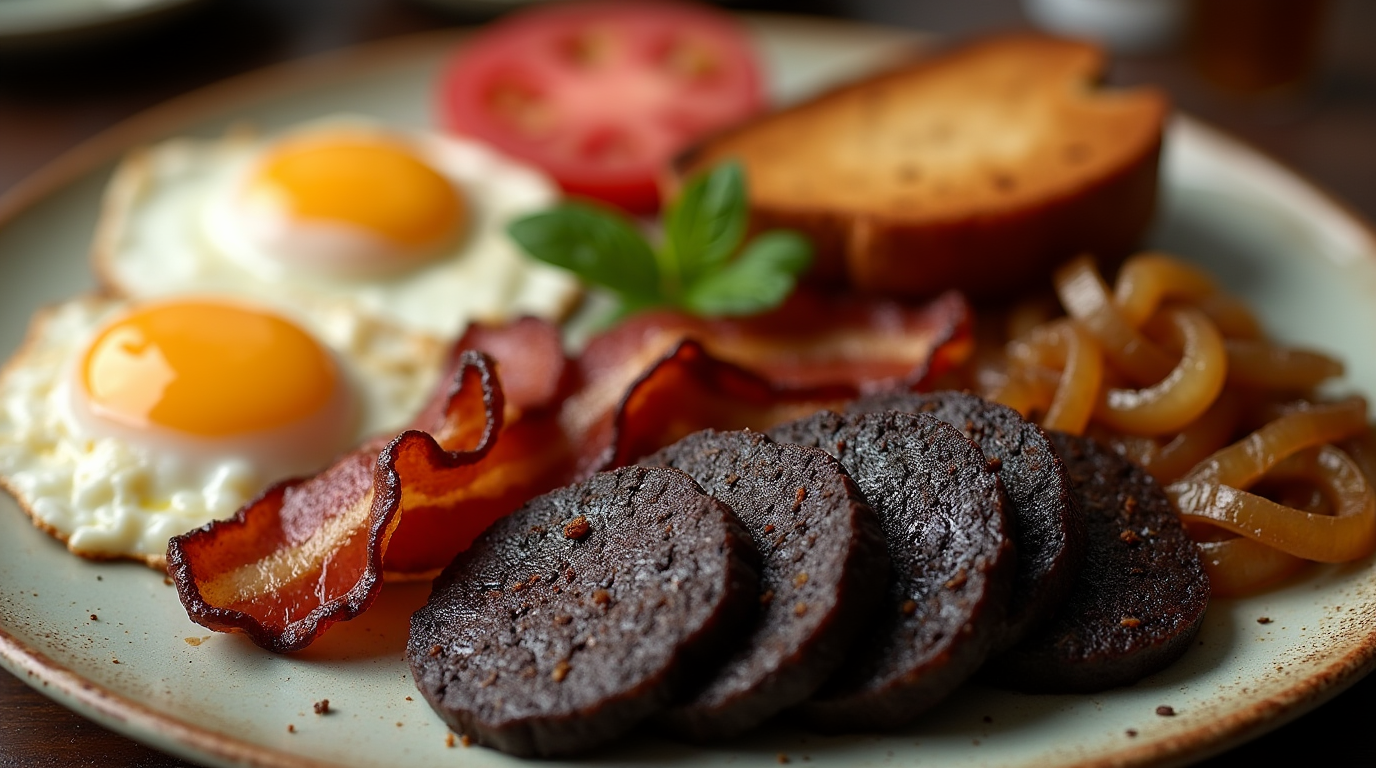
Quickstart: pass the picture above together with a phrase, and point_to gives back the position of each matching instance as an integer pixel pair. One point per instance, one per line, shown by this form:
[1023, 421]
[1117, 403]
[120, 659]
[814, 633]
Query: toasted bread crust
[976, 169]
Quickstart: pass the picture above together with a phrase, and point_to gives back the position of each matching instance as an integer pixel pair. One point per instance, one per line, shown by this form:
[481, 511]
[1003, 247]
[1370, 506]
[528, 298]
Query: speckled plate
[141, 668]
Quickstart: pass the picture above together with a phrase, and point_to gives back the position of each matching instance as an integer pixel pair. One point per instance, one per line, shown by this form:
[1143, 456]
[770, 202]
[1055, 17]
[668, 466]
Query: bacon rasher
[309, 552]
[441, 514]
[812, 340]
[520, 418]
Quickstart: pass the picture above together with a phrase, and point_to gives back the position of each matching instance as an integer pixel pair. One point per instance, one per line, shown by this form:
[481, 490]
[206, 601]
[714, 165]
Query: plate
[143, 669]
[32, 23]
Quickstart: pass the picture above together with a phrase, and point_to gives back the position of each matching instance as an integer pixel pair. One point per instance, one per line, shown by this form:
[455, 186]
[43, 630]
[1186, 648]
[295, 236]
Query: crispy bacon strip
[309, 552]
[442, 511]
[662, 375]
[812, 340]
[630, 394]
[687, 390]
[531, 365]
[522, 418]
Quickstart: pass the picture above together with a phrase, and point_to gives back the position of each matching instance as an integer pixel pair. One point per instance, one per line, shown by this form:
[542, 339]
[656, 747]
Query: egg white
[172, 223]
[115, 493]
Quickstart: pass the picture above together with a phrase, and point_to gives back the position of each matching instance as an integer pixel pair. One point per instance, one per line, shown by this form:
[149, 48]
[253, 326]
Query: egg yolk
[369, 182]
[207, 369]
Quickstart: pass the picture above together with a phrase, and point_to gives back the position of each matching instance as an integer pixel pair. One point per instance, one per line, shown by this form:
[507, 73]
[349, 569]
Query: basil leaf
[758, 280]
[706, 224]
[598, 245]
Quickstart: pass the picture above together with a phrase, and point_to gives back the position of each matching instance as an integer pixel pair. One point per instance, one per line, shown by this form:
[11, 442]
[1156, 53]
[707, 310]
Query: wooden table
[51, 101]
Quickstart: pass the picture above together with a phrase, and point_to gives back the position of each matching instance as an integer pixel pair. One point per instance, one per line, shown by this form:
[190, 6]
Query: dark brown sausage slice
[823, 570]
[1047, 527]
[942, 510]
[1140, 597]
[584, 612]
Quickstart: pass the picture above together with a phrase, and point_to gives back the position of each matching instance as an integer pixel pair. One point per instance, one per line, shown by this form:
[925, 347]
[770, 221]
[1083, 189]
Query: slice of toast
[976, 169]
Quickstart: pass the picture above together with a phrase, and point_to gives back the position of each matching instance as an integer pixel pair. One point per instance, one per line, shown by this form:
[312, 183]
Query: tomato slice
[601, 95]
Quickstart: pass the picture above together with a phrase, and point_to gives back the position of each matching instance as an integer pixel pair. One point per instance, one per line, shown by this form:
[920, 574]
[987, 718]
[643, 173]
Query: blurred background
[1294, 78]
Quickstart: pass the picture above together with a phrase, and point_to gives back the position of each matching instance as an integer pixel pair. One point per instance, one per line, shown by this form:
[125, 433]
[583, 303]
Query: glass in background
[1256, 46]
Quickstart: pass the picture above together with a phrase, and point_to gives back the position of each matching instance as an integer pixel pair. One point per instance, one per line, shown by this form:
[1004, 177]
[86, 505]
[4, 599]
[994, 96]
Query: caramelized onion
[1063, 344]
[1244, 462]
[1261, 365]
[1173, 417]
[1026, 389]
[1348, 534]
[1087, 299]
[1239, 566]
[1028, 314]
[1362, 449]
[1233, 318]
[1183, 394]
[1172, 459]
[1148, 279]
[1196, 442]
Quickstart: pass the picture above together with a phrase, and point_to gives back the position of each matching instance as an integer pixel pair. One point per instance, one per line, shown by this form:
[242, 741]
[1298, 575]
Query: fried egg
[124, 424]
[409, 227]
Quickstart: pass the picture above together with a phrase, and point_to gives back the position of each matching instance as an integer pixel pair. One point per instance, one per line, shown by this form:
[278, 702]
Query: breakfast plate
[111, 640]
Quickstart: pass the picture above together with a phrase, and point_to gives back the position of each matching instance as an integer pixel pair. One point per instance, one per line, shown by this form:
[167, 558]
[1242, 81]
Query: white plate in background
[26, 24]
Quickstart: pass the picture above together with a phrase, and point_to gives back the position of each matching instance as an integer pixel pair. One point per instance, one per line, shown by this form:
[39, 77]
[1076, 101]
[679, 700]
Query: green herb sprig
[703, 265]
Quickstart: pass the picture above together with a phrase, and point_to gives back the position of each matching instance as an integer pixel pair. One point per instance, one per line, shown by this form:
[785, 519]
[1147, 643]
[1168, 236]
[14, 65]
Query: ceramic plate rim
[124, 715]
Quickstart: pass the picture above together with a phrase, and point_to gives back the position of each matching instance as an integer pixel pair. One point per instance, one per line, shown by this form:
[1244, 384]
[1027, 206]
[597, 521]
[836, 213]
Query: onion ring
[1181, 396]
[1239, 566]
[1244, 462]
[1148, 279]
[1028, 314]
[1027, 390]
[1348, 534]
[1197, 441]
[1171, 460]
[1087, 299]
[1063, 344]
[1233, 318]
[1260, 365]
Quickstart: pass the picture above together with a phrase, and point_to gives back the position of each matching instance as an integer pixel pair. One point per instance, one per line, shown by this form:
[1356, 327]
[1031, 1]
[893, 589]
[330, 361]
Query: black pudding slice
[942, 511]
[584, 612]
[1048, 531]
[823, 570]
[1140, 597]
